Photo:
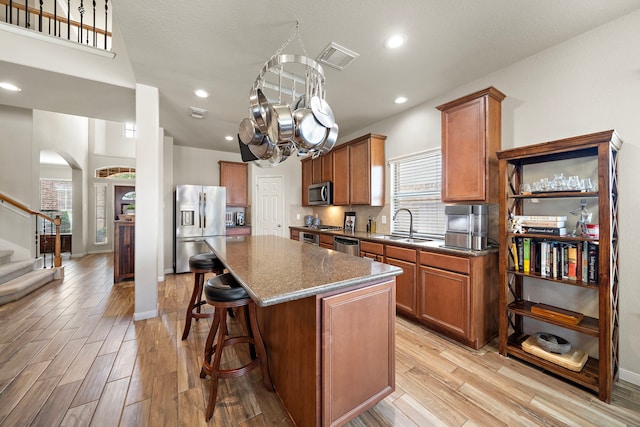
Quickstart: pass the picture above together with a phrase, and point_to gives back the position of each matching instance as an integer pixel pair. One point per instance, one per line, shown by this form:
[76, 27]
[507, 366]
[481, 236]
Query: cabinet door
[327, 167]
[443, 300]
[471, 135]
[405, 286]
[233, 176]
[307, 178]
[359, 161]
[463, 152]
[316, 170]
[341, 175]
[358, 347]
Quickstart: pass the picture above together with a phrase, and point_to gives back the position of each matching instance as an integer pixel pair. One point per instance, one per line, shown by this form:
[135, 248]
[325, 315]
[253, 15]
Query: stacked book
[555, 259]
[542, 224]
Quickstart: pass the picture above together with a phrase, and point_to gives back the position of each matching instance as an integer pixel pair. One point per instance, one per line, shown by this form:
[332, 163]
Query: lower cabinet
[294, 234]
[457, 296]
[326, 241]
[124, 250]
[239, 231]
[374, 251]
[406, 295]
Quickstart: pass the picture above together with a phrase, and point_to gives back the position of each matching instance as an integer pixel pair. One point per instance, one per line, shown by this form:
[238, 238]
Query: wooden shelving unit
[598, 374]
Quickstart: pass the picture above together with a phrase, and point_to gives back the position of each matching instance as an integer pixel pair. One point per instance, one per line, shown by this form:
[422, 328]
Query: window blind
[416, 185]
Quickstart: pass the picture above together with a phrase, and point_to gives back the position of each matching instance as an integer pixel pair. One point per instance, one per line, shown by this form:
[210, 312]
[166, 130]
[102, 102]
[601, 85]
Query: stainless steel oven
[310, 238]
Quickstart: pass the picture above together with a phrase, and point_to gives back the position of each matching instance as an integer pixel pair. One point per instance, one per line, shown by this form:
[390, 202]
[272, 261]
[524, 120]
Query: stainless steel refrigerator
[199, 213]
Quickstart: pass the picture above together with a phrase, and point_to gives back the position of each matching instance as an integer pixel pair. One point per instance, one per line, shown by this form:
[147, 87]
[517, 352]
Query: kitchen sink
[400, 238]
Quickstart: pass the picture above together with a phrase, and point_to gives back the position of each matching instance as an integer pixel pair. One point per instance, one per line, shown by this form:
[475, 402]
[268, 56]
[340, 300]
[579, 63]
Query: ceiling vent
[337, 56]
[197, 113]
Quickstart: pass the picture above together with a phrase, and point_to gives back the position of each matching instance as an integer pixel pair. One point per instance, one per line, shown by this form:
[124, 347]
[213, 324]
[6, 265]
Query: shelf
[565, 238]
[563, 281]
[587, 377]
[587, 326]
[554, 195]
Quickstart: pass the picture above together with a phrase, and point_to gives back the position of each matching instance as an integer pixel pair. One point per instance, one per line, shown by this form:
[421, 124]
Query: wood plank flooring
[71, 355]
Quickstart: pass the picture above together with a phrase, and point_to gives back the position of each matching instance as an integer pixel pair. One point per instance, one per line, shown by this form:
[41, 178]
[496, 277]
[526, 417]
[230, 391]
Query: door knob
[279, 225]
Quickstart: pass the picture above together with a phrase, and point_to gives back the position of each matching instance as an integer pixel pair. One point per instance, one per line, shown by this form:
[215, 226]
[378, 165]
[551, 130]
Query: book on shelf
[572, 262]
[592, 259]
[551, 231]
[557, 313]
[539, 218]
[526, 261]
[536, 223]
[514, 256]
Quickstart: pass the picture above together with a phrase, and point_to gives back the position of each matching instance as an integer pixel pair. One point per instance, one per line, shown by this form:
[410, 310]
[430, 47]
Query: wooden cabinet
[315, 171]
[372, 250]
[322, 168]
[294, 234]
[124, 250]
[520, 290]
[471, 135]
[367, 170]
[233, 176]
[358, 342]
[307, 179]
[406, 294]
[239, 231]
[326, 241]
[359, 172]
[356, 168]
[457, 296]
[341, 175]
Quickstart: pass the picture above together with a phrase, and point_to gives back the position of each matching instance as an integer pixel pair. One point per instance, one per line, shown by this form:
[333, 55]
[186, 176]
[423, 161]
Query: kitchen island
[328, 322]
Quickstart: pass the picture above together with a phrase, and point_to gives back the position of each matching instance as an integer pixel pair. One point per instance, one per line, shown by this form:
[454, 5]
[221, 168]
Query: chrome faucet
[410, 220]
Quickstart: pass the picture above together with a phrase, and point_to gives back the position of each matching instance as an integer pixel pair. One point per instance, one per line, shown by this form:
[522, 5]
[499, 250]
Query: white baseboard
[632, 377]
[145, 315]
[168, 270]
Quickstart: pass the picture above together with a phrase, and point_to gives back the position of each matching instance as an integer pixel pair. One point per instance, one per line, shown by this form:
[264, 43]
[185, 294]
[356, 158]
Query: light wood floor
[70, 354]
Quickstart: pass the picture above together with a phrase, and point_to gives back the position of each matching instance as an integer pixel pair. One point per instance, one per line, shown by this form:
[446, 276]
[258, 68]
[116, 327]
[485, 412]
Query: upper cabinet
[471, 135]
[359, 171]
[233, 176]
[356, 169]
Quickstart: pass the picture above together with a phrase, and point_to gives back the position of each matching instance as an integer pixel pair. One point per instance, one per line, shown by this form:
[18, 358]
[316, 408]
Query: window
[117, 172]
[416, 185]
[129, 130]
[101, 213]
[56, 199]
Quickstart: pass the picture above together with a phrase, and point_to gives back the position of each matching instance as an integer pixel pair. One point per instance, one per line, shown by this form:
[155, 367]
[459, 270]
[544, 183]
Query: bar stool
[200, 265]
[223, 292]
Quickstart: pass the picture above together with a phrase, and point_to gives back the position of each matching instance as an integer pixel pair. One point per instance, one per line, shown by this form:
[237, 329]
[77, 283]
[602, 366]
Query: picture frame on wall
[349, 222]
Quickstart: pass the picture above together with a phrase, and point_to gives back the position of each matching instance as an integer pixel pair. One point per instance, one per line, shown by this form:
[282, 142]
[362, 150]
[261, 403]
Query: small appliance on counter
[467, 226]
[240, 218]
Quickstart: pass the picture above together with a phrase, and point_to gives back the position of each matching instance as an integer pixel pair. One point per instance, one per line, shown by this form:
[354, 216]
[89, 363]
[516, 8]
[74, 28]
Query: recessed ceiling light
[401, 100]
[228, 138]
[394, 41]
[201, 93]
[9, 86]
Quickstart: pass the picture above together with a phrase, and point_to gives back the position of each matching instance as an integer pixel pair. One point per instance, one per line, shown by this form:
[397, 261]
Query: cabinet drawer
[404, 254]
[446, 262]
[327, 239]
[374, 248]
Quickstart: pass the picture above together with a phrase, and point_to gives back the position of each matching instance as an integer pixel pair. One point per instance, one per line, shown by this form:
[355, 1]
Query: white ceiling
[220, 46]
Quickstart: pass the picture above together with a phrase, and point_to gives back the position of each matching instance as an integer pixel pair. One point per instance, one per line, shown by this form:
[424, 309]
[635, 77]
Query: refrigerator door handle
[204, 210]
[200, 209]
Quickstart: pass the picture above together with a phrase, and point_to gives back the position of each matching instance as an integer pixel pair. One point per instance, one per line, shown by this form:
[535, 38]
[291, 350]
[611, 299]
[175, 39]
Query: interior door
[270, 206]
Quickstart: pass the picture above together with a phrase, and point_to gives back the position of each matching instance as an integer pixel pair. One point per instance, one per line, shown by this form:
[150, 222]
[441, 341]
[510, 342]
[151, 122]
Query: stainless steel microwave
[466, 226]
[321, 194]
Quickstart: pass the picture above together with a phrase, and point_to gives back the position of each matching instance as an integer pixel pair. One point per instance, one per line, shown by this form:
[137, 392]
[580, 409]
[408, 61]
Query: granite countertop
[275, 269]
[433, 245]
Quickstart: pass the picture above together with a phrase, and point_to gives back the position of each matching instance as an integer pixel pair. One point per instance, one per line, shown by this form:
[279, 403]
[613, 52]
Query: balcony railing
[78, 21]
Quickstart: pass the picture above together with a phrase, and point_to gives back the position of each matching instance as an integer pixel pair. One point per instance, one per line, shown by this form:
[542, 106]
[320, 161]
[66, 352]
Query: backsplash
[334, 215]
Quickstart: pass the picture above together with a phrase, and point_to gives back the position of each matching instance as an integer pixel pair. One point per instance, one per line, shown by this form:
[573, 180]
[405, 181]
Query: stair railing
[57, 258]
[19, 13]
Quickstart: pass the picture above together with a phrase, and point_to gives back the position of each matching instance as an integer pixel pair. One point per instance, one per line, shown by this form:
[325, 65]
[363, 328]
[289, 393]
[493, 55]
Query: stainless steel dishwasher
[346, 245]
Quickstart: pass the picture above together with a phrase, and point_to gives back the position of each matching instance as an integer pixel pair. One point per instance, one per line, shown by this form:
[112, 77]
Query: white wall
[588, 84]
[194, 166]
[17, 176]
